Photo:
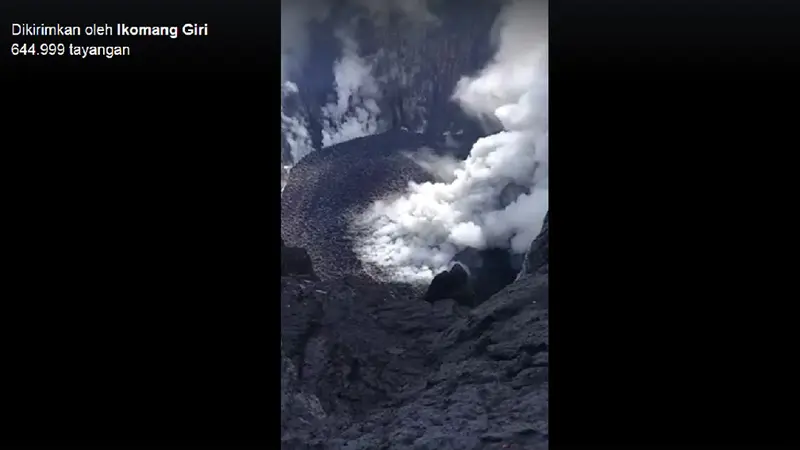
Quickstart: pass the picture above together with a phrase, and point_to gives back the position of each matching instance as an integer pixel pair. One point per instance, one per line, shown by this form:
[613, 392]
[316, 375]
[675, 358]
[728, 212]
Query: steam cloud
[355, 112]
[296, 15]
[295, 132]
[414, 236]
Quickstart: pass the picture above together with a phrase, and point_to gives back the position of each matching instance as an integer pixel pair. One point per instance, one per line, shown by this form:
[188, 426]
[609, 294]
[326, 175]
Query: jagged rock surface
[374, 366]
[453, 283]
[489, 270]
[536, 259]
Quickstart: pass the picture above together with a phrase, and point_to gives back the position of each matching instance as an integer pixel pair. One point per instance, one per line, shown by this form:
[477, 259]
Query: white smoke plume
[296, 132]
[442, 168]
[414, 236]
[296, 16]
[355, 112]
[294, 128]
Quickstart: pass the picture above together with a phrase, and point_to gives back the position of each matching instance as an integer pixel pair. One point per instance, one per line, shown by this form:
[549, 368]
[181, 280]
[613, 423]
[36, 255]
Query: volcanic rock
[537, 260]
[489, 270]
[454, 284]
[367, 365]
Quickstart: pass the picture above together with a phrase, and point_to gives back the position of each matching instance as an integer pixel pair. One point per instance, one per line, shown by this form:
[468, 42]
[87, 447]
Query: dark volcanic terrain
[460, 363]
[374, 366]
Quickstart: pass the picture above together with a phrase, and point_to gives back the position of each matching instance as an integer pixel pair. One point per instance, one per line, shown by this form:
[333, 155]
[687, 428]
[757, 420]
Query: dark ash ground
[374, 366]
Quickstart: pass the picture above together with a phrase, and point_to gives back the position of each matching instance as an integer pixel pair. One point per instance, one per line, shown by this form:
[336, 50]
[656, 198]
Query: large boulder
[452, 284]
[474, 276]
[489, 270]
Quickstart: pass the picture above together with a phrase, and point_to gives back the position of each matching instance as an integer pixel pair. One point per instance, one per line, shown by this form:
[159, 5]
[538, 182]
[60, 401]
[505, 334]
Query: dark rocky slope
[374, 366]
[536, 260]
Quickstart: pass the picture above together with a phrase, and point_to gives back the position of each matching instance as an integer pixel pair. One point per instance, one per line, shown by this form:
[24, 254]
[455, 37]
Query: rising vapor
[355, 113]
[296, 16]
[294, 128]
[414, 236]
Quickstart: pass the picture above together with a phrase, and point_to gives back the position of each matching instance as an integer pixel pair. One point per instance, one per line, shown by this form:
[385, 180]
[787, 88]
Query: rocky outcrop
[452, 284]
[537, 259]
[489, 270]
[373, 366]
[301, 412]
